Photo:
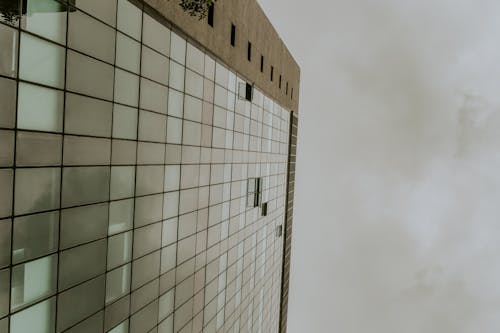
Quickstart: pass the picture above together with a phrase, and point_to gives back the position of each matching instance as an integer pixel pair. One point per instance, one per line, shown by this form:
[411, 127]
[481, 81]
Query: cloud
[397, 225]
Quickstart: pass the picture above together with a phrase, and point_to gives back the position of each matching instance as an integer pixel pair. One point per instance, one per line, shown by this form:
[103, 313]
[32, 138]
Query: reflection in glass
[8, 50]
[117, 283]
[4, 291]
[122, 328]
[33, 281]
[46, 18]
[122, 182]
[34, 236]
[36, 190]
[83, 185]
[41, 61]
[39, 318]
[7, 101]
[119, 249]
[39, 108]
[121, 214]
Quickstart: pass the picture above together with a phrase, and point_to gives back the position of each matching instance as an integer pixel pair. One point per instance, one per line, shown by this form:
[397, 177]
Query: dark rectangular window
[254, 192]
[249, 51]
[287, 88]
[272, 73]
[261, 63]
[264, 209]
[291, 94]
[233, 34]
[248, 92]
[210, 15]
[279, 84]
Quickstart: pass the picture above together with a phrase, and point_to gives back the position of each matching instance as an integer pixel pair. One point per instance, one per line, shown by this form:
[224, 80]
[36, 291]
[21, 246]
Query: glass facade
[125, 155]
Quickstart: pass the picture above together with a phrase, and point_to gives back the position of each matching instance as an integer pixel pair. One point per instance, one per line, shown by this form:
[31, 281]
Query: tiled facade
[126, 155]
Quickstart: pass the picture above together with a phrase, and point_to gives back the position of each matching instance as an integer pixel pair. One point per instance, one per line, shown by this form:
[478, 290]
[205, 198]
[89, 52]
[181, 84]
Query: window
[210, 16]
[291, 94]
[264, 209]
[254, 191]
[233, 34]
[261, 63]
[248, 92]
[287, 88]
[279, 84]
[249, 51]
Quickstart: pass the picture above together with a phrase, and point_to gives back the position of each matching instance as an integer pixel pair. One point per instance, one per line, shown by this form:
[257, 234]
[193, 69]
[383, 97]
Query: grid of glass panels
[124, 157]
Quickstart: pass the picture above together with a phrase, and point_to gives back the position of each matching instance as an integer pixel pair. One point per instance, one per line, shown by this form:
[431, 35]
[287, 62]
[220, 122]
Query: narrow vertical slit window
[272, 73]
[233, 34]
[291, 94]
[261, 63]
[249, 51]
[287, 88]
[210, 16]
[248, 92]
[279, 84]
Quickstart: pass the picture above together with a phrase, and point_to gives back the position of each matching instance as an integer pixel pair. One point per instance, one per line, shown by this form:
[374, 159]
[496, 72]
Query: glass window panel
[38, 149]
[122, 328]
[33, 281]
[40, 108]
[221, 75]
[103, 10]
[148, 209]
[154, 66]
[81, 263]
[126, 88]
[117, 283]
[176, 76]
[145, 269]
[8, 45]
[84, 185]
[124, 152]
[37, 190]
[41, 61]
[175, 103]
[87, 116]
[150, 153]
[169, 232]
[147, 239]
[4, 325]
[156, 35]
[149, 179]
[6, 148]
[7, 102]
[119, 249]
[121, 214]
[194, 84]
[122, 182]
[124, 122]
[90, 36]
[88, 296]
[39, 318]
[174, 130]
[168, 258]
[92, 324]
[35, 235]
[152, 126]
[195, 59]
[177, 48]
[6, 177]
[83, 224]
[5, 231]
[4, 291]
[46, 18]
[128, 53]
[170, 204]
[154, 96]
[116, 313]
[129, 19]
[80, 150]
[172, 176]
[89, 76]
[209, 67]
[192, 108]
[191, 133]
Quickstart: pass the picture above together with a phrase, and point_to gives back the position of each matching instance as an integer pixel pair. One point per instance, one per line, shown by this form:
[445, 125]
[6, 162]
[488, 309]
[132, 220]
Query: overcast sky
[397, 220]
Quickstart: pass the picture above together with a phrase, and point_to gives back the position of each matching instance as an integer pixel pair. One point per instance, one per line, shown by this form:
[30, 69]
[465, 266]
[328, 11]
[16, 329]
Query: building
[146, 168]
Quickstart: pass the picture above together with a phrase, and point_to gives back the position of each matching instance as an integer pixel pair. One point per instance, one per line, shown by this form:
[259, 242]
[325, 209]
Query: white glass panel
[46, 18]
[129, 19]
[195, 59]
[121, 215]
[178, 48]
[124, 122]
[126, 88]
[128, 53]
[174, 130]
[117, 283]
[33, 281]
[122, 328]
[176, 76]
[39, 318]
[41, 61]
[172, 175]
[175, 103]
[156, 35]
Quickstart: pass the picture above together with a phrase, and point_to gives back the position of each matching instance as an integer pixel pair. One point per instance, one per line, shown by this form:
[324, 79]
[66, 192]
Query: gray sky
[397, 220]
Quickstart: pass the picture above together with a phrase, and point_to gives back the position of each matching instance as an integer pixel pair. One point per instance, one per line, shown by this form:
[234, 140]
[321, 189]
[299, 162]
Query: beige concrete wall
[251, 25]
